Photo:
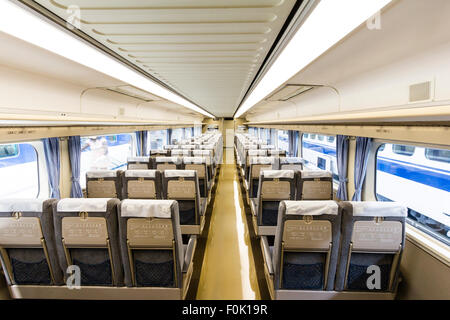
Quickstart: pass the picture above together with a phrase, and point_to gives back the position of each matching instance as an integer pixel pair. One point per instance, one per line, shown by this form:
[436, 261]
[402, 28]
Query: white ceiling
[207, 50]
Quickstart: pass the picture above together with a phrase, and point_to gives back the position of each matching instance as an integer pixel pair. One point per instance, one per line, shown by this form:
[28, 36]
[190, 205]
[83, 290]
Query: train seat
[86, 233]
[208, 155]
[183, 186]
[276, 153]
[256, 165]
[274, 186]
[306, 248]
[373, 237]
[136, 163]
[103, 184]
[291, 163]
[167, 163]
[142, 184]
[27, 243]
[151, 246]
[159, 153]
[199, 164]
[315, 185]
[249, 155]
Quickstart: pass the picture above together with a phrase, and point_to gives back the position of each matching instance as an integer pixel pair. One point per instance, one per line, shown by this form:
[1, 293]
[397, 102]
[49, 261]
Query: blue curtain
[293, 142]
[145, 143]
[52, 159]
[138, 143]
[342, 161]
[361, 156]
[75, 162]
[169, 136]
[192, 132]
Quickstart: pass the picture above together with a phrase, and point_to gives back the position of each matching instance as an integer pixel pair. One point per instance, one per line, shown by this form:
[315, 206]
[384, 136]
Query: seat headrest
[268, 146]
[179, 173]
[82, 204]
[101, 174]
[168, 159]
[138, 159]
[140, 173]
[188, 146]
[311, 208]
[194, 160]
[257, 152]
[146, 208]
[291, 160]
[262, 160]
[308, 174]
[378, 209]
[171, 146]
[278, 174]
[275, 152]
[21, 205]
[201, 152]
[180, 152]
[159, 151]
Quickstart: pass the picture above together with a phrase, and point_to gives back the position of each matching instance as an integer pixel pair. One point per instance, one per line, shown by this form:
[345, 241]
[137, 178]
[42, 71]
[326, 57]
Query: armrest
[189, 254]
[203, 202]
[254, 206]
[266, 254]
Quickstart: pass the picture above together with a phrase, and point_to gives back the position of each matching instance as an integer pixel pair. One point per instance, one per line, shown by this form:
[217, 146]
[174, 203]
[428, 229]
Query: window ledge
[434, 247]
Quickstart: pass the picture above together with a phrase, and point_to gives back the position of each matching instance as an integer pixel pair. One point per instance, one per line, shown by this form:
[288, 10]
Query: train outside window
[177, 135]
[283, 140]
[19, 167]
[319, 152]
[108, 152]
[157, 139]
[424, 177]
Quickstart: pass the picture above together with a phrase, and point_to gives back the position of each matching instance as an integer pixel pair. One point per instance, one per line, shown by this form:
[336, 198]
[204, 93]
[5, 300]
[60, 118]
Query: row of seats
[133, 243]
[185, 186]
[326, 245]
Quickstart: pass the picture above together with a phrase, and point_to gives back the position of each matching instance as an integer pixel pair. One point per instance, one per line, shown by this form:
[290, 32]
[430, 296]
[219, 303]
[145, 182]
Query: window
[421, 182]
[188, 133]
[403, 150]
[105, 153]
[177, 135]
[19, 171]
[157, 139]
[320, 153]
[283, 140]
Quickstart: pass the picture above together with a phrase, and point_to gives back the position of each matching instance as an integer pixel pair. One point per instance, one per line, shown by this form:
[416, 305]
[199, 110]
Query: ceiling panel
[208, 50]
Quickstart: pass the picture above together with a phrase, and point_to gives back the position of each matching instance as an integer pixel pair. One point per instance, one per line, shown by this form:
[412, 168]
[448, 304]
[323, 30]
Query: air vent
[420, 91]
[135, 93]
[289, 91]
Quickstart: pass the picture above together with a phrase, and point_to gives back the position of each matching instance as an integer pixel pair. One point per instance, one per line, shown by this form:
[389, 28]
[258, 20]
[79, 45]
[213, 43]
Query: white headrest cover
[138, 159]
[278, 174]
[146, 208]
[257, 152]
[159, 151]
[82, 204]
[194, 160]
[378, 209]
[269, 146]
[179, 173]
[180, 152]
[308, 174]
[140, 173]
[311, 208]
[208, 147]
[171, 146]
[275, 152]
[188, 146]
[21, 205]
[291, 160]
[101, 174]
[201, 152]
[262, 160]
[168, 159]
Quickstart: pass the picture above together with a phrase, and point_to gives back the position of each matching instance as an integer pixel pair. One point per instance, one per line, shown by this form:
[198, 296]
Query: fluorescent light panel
[24, 25]
[329, 22]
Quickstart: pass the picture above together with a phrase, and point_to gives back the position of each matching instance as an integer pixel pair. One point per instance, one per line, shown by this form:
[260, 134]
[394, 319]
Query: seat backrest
[306, 246]
[276, 153]
[183, 186]
[86, 233]
[255, 153]
[256, 165]
[27, 242]
[142, 184]
[151, 243]
[160, 153]
[198, 164]
[274, 186]
[266, 146]
[171, 146]
[315, 185]
[209, 161]
[181, 153]
[188, 146]
[167, 163]
[136, 163]
[291, 163]
[103, 184]
[373, 238]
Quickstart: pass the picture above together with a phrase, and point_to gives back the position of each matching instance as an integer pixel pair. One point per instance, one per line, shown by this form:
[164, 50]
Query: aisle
[228, 270]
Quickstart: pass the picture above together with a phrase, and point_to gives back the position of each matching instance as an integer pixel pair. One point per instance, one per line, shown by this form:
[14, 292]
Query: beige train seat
[86, 233]
[27, 243]
[183, 186]
[152, 250]
[256, 165]
[103, 184]
[199, 164]
[303, 259]
[142, 184]
[274, 186]
[209, 163]
[373, 238]
[167, 163]
[250, 154]
[314, 185]
[159, 153]
[136, 163]
[291, 163]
